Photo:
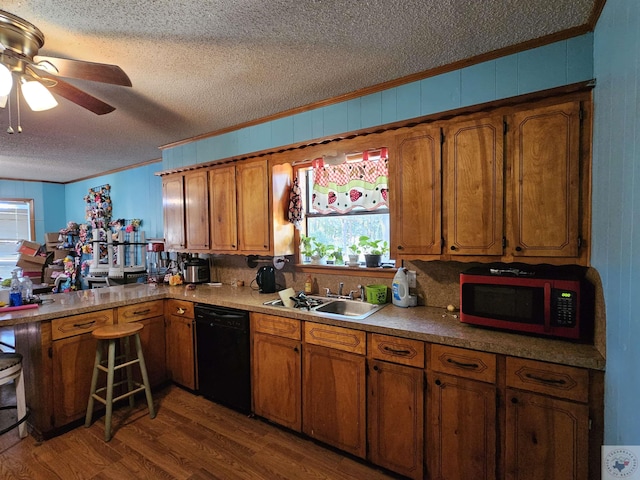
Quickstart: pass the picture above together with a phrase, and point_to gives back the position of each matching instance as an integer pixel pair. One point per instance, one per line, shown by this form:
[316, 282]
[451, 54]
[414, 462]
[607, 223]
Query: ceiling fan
[19, 45]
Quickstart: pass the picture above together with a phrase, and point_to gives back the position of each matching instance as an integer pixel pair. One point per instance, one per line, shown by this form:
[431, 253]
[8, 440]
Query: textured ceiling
[201, 66]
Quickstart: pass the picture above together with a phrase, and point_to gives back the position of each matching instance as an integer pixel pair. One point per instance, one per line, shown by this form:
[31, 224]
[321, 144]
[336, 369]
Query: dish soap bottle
[400, 288]
[308, 285]
[15, 292]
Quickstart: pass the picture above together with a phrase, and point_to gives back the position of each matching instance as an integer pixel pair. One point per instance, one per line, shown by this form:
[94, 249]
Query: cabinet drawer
[397, 350]
[562, 381]
[344, 339]
[274, 325]
[180, 308]
[140, 311]
[463, 363]
[79, 324]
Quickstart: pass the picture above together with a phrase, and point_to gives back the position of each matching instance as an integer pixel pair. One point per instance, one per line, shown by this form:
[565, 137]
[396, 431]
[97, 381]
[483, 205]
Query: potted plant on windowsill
[312, 250]
[335, 253]
[373, 250]
[354, 255]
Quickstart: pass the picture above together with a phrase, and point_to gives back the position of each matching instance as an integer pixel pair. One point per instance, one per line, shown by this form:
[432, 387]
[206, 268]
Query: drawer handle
[462, 364]
[84, 325]
[550, 381]
[180, 310]
[142, 312]
[396, 352]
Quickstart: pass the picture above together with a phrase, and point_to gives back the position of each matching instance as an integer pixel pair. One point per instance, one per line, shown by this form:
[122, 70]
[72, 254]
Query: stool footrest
[118, 367]
[140, 388]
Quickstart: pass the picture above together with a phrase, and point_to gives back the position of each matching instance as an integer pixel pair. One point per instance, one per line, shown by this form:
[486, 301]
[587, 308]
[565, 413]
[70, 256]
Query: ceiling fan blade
[81, 98]
[97, 72]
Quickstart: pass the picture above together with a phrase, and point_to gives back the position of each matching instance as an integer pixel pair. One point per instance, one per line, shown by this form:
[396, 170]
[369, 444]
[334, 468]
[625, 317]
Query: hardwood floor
[190, 438]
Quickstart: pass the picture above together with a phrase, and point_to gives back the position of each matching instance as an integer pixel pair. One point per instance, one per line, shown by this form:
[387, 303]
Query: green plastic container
[376, 294]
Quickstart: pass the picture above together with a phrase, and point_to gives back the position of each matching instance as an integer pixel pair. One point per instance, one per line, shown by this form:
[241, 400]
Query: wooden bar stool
[109, 335]
[11, 370]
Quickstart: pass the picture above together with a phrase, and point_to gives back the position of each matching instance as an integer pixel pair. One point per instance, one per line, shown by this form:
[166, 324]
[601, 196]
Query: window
[345, 199]
[16, 223]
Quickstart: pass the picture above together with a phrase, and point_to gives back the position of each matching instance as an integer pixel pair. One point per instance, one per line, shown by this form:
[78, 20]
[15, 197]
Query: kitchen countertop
[420, 323]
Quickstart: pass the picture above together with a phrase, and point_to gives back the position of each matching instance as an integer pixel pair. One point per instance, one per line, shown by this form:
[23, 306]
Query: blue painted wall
[48, 203]
[135, 193]
[560, 63]
[616, 202]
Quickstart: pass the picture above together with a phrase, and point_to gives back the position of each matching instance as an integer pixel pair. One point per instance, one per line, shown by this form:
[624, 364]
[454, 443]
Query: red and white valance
[341, 188]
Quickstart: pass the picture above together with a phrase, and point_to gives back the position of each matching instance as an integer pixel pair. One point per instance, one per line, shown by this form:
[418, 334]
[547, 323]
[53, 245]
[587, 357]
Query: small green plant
[336, 254]
[311, 247]
[354, 249]
[373, 247]
[307, 245]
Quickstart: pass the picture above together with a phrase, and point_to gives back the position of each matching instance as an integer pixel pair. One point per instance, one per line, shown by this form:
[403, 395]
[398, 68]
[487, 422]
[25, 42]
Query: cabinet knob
[518, 249]
[514, 400]
[376, 368]
[453, 247]
[400, 247]
[180, 311]
[295, 349]
[438, 382]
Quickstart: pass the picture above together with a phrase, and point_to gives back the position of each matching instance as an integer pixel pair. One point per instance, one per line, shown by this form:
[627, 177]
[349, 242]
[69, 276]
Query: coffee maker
[266, 279]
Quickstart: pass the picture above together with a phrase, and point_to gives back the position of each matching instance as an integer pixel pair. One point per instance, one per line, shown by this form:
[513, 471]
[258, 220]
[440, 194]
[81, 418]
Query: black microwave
[548, 301]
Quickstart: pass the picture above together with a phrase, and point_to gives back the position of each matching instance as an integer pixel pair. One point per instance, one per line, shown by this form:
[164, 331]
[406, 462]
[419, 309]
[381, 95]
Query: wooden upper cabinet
[173, 212]
[196, 206]
[415, 193]
[223, 213]
[545, 194]
[252, 180]
[473, 165]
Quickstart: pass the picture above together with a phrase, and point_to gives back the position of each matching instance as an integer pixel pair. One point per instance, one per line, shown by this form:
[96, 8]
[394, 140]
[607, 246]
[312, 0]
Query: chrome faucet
[350, 296]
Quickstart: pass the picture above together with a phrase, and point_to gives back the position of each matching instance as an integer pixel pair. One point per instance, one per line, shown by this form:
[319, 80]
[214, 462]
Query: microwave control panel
[563, 307]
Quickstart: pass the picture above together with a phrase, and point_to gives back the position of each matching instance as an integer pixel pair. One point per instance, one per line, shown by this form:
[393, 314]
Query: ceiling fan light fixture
[37, 96]
[6, 80]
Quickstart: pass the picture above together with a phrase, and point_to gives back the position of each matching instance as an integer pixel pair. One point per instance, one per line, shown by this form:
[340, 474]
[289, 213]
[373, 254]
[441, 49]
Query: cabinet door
[196, 205]
[544, 203]
[152, 338]
[73, 360]
[461, 421]
[173, 212]
[180, 351]
[545, 438]
[334, 396]
[253, 206]
[415, 196]
[395, 417]
[223, 218]
[277, 377]
[473, 193]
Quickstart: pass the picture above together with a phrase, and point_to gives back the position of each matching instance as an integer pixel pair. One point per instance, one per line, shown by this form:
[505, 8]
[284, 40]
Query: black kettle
[266, 279]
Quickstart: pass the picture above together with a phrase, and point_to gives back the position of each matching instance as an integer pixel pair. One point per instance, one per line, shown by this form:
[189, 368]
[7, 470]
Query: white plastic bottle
[400, 288]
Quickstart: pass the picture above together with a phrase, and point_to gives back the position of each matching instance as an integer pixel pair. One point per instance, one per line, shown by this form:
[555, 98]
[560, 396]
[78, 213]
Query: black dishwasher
[222, 337]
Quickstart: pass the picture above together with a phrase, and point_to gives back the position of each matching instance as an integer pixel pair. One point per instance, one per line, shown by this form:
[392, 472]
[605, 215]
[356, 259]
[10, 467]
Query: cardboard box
[52, 237]
[60, 253]
[51, 246]
[49, 271]
[28, 248]
[30, 263]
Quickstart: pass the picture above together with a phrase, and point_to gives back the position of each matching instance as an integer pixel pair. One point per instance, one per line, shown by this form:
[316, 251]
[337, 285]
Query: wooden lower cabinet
[152, 338]
[461, 414]
[334, 398]
[461, 429]
[547, 421]
[276, 359]
[545, 438]
[395, 417]
[180, 348]
[73, 360]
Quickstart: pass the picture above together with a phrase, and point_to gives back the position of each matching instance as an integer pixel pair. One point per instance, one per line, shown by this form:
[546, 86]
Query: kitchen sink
[336, 307]
[348, 308]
